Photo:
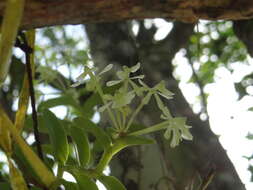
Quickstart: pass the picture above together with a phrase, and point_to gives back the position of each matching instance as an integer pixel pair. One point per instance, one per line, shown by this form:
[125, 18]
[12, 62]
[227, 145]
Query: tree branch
[41, 13]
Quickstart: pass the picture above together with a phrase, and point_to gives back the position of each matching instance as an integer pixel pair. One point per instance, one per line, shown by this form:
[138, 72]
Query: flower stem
[104, 161]
[101, 94]
[151, 129]
[118, 117]
[59, 171]
[123, 119]
[108, 154]
[136, 112]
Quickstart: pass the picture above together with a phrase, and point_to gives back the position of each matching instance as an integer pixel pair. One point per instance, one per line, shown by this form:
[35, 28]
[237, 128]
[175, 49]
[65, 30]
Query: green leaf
[69, 185]
[82, 145]
[16, 178]
[111, 183]
[90, 127]
[67, 100]
[9, 28]
[22, 162]
[84, 182]
[89, 104]
[57, 135]
[45, 175]
[62, 100]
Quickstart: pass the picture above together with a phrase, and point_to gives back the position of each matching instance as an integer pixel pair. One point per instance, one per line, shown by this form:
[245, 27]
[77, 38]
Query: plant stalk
[151, 129]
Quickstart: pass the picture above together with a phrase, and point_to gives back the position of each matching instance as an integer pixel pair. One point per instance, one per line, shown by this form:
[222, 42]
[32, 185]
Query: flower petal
[135, 68]
[113, 82]
[106, 69]
[138, 77]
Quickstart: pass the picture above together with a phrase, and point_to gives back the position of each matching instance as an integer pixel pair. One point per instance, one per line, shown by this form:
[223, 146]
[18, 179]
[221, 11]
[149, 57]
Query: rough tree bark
[40, 13]
[160, 167]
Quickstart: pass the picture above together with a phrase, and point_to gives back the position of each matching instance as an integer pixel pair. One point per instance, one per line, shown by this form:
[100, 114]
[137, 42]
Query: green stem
[123, 118]
[107, 156]
[118, 119]
[151, 129]
[59, 174]
[101, 94]
[59, 171]
[104, 161]
[136, 112]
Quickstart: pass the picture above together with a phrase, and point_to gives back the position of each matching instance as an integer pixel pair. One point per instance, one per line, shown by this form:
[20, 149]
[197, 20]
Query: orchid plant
[118, 104]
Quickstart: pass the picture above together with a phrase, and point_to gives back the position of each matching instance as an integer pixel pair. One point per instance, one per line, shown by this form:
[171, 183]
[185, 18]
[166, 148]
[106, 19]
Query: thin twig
[28, 50]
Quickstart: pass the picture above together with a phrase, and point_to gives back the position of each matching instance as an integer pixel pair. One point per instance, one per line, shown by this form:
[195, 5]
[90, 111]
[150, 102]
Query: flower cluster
[131, 87]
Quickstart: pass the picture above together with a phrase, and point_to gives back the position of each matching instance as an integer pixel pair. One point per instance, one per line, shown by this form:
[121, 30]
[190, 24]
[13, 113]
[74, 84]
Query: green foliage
[58, 136]
[82, 145]
[90, 127]
[84, 181]
[111, 183]
[69, 185]
[66, 100]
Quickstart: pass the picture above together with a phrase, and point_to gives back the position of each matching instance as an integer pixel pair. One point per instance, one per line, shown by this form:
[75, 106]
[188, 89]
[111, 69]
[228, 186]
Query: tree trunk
[159, 166]
[40, 13]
